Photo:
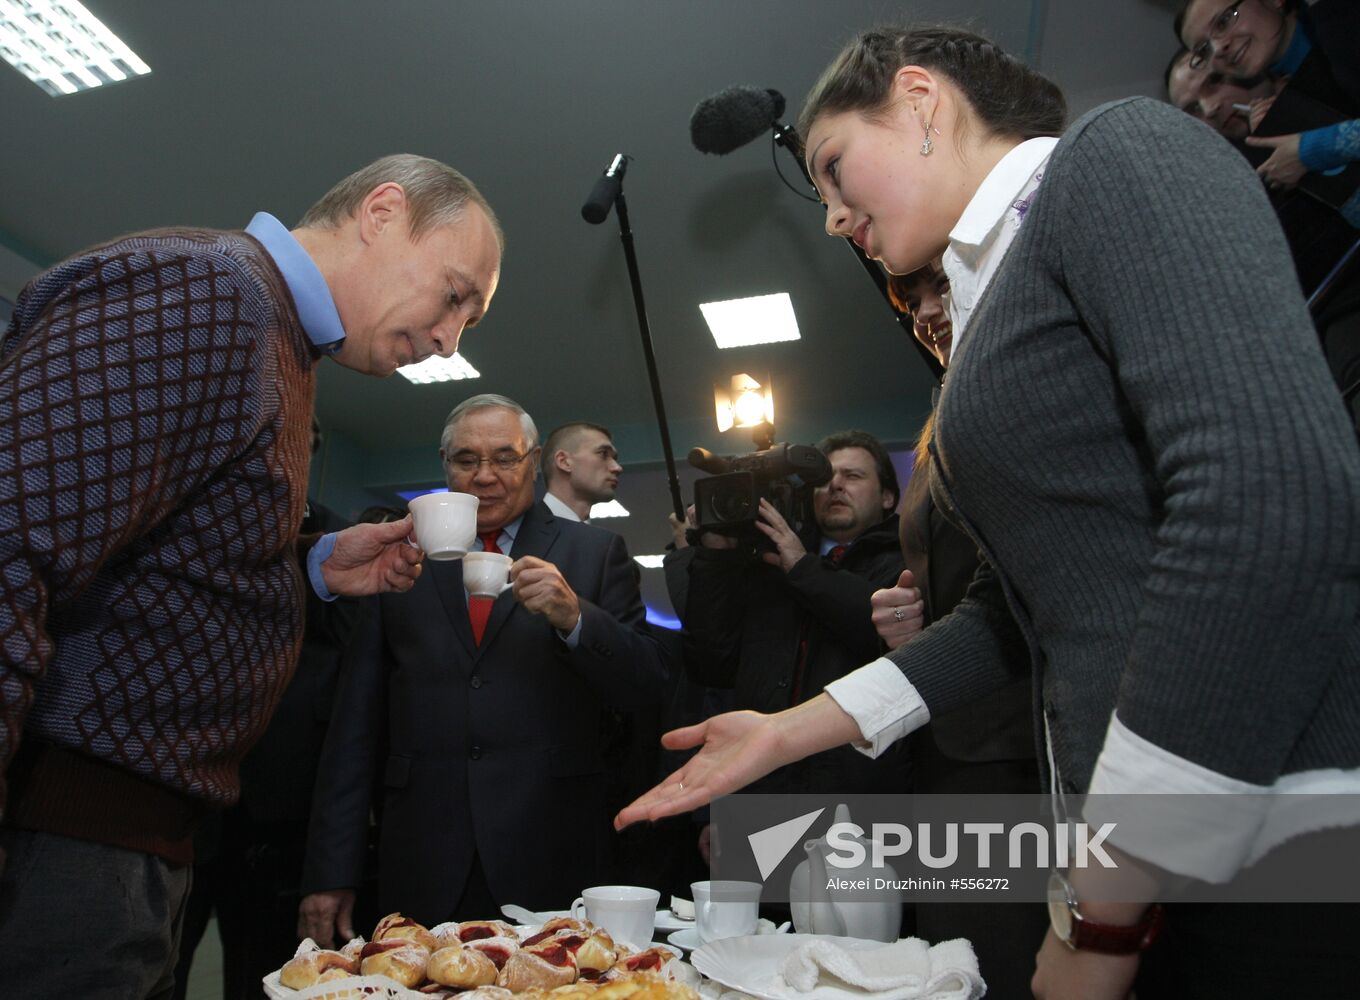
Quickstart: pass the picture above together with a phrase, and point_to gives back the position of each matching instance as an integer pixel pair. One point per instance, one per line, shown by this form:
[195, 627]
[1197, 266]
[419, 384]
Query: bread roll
[395, 927]
[474, 930]
[651, 960]
[398, 959]
[461, 967]
[596, 954]
[526, 970]
[446, 934]
[498, 949]
[487, 993]
[307, 969]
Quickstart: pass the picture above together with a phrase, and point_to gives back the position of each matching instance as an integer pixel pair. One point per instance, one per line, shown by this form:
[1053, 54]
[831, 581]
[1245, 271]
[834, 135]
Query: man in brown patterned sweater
[155, 404]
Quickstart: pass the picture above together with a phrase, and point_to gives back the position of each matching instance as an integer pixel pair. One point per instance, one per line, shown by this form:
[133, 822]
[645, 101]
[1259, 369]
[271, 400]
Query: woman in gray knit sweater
[1139, 431]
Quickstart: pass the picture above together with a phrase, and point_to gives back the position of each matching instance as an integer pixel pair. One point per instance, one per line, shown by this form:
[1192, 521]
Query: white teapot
[860, 913]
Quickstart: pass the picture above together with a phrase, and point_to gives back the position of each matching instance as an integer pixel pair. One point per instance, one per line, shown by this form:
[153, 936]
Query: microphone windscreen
[601, 200]
[733, 117]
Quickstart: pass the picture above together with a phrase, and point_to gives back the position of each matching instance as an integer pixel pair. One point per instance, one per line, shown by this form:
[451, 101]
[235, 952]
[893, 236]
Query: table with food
[580, 954]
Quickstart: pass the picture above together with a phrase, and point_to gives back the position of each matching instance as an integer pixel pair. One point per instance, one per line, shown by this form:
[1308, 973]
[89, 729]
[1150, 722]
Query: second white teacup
[724, 909]
[486, 574]
[627, 912]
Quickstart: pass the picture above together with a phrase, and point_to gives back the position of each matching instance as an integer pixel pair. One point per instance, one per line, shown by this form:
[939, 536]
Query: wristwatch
[1083, 934]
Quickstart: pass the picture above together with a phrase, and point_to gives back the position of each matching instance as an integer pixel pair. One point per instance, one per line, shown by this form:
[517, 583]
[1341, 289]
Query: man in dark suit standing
[482, 725]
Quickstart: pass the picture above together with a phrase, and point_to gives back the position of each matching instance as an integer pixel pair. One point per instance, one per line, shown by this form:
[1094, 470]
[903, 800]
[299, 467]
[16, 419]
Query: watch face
[1059, 908]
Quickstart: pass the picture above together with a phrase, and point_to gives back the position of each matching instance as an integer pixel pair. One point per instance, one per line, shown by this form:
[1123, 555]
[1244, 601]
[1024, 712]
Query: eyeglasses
[503, 461]
[1218, 27]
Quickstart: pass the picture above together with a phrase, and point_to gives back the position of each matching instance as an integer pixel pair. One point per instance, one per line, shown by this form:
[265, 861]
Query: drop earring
[927, 146]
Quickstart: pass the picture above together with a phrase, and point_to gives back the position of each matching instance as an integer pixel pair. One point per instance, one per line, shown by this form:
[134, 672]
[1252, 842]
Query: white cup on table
[445, 523]
[724, 909]
[627, 912]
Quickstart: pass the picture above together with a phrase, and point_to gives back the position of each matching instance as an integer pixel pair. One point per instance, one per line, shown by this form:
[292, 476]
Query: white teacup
[486, 574]
[445, 523]
[627, 912]
[724, 909]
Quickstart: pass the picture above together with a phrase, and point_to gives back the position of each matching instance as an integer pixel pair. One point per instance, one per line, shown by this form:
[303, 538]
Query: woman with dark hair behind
[985, 746]
[1121, 387]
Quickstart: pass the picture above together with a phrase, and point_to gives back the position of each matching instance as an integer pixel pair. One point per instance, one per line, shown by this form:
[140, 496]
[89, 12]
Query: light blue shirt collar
[505, 541]
[312, 297]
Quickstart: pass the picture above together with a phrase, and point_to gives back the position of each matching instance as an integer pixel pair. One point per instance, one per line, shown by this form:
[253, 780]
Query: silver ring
[899, 614]
[680, 785]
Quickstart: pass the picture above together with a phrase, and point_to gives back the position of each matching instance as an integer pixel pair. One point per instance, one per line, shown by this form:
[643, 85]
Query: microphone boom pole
[590, 212]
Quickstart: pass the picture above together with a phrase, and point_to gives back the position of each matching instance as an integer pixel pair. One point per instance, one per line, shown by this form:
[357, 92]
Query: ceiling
[262, 105]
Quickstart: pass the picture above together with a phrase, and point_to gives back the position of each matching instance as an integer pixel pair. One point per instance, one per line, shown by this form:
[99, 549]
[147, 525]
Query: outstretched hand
[372, 559]
[736, 748]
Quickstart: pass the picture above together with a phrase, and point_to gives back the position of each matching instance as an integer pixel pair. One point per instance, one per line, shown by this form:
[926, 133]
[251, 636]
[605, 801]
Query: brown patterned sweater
[155, 395]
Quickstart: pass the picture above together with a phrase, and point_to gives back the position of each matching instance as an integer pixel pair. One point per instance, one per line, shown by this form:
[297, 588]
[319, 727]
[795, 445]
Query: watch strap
[1114, 939]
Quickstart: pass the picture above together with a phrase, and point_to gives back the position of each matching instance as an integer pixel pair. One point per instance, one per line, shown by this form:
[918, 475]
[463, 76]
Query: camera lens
[732, 505]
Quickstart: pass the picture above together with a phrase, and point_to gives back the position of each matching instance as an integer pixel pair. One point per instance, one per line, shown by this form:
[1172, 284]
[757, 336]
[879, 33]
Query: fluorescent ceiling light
[437, 369]
[650, 562]
[62, 47]
[611, 509]
[764, 319]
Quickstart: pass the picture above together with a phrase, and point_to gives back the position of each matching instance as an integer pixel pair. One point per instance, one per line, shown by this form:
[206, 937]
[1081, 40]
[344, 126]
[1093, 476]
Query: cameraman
[778, 626]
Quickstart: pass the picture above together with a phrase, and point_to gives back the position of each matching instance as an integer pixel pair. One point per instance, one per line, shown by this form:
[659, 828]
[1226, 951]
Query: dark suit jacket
[494, 749]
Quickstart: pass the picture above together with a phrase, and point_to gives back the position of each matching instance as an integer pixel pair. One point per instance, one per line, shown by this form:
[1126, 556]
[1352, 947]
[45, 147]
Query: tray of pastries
[564, 959]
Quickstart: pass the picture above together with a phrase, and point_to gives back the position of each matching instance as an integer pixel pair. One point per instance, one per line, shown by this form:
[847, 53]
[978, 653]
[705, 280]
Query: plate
[688, 939]
[666, 920]
[751, 964]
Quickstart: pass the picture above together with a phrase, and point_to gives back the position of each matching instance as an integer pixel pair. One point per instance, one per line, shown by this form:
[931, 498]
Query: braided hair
[1007, 97]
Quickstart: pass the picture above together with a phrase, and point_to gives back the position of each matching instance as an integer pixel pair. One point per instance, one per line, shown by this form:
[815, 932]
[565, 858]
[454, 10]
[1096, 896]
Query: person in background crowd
[777, 628]
[1311, 48]
[1119, 478]
[152, 600]
[985, 746]
[580, 469]
[481, 718]
[1312, 45]
[1222, 103]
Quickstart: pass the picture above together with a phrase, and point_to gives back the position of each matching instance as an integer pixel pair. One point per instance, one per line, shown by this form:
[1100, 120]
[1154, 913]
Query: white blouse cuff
[882, 702]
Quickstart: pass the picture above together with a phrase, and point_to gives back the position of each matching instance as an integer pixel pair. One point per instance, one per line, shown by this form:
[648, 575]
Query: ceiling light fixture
[62, 47]
[610, 509]
[437, 369]
[763, 319]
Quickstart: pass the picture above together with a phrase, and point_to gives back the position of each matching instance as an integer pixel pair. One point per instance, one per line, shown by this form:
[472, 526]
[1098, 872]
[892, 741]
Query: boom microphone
[733, 117]
[605, 192]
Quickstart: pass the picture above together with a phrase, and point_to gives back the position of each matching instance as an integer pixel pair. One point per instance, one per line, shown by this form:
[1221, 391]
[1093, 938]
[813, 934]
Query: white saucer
[688, 939]
[666, 920]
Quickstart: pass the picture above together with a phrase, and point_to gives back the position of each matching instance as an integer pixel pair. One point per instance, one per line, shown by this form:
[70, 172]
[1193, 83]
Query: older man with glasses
[480, 719]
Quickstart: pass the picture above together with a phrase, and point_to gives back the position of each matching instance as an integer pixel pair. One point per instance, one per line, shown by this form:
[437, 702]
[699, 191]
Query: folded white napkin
[909, 969]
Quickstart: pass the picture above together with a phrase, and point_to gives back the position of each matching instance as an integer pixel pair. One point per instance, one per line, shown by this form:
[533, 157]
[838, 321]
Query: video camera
[727, 502]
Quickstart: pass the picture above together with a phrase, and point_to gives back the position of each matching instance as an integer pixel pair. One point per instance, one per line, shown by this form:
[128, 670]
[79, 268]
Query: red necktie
[479, 606]
[836, 553]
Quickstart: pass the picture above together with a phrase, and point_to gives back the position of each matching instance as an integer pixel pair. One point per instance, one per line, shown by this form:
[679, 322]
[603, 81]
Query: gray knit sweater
[1140, 432]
